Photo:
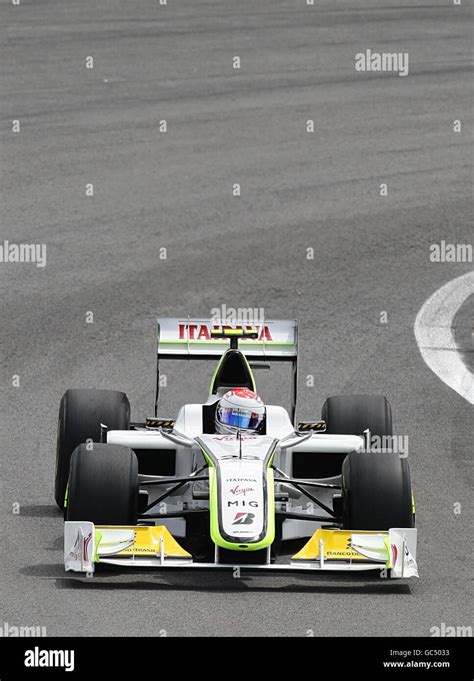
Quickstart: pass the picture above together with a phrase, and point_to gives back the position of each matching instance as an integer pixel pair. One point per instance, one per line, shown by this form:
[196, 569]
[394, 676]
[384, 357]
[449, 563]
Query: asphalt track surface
[174, 190]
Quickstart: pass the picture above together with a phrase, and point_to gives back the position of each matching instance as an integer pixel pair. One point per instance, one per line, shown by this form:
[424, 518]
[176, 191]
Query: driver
[239, 409]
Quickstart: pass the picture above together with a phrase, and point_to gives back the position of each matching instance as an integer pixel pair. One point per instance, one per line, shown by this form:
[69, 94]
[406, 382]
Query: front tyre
[103, 485]
[80, 414]
[376, 491]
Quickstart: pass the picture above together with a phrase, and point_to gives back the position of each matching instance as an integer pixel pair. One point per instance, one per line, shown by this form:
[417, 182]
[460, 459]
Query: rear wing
[273, 340]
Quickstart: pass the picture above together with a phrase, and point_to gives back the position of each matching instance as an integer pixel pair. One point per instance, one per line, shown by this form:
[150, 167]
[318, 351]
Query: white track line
[433, 332]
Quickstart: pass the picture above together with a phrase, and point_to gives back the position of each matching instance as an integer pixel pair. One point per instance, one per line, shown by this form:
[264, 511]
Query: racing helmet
[239, 409]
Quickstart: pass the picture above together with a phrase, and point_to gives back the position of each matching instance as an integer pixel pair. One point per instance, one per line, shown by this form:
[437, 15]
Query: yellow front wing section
[137, 541]
[335, 544]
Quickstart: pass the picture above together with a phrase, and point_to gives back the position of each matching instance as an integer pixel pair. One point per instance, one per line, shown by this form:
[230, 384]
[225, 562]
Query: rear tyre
[352, 414]
[103, 485]
[376, 491]
[80, 414]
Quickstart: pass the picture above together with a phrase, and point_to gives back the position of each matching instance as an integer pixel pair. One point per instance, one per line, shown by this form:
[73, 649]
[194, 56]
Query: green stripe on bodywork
[254, 388]
[66, 494]
[98, 539]
[269, 537]
[222, 341]
[214, 506]
[386, 541]
[235, 332]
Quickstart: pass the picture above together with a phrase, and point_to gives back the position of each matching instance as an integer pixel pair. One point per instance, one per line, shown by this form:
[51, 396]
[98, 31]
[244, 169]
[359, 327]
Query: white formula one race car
[183, 494]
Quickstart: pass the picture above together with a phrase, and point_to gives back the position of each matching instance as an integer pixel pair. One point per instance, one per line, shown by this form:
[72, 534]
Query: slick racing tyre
[103, 485]
[80, 414]
[376, 491]
[352, 414]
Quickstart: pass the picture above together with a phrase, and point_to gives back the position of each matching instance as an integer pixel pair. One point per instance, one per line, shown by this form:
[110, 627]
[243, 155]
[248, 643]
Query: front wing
[392, 553]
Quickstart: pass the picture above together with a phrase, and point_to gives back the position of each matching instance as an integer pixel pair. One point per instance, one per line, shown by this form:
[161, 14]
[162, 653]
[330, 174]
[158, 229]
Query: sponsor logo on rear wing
[275, 338]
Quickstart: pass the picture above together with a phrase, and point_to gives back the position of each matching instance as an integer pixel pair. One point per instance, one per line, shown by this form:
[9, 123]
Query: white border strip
[433, 333]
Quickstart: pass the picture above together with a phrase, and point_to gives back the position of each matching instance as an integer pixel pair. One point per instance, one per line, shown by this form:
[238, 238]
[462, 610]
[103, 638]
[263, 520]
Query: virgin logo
[241, 490]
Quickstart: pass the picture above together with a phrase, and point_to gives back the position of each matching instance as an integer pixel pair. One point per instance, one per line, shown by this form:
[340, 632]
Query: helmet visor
[239, 418]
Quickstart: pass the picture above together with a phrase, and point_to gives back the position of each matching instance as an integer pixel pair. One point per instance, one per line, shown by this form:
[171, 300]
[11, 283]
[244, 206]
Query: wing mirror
[177, 438]
[291, 441]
